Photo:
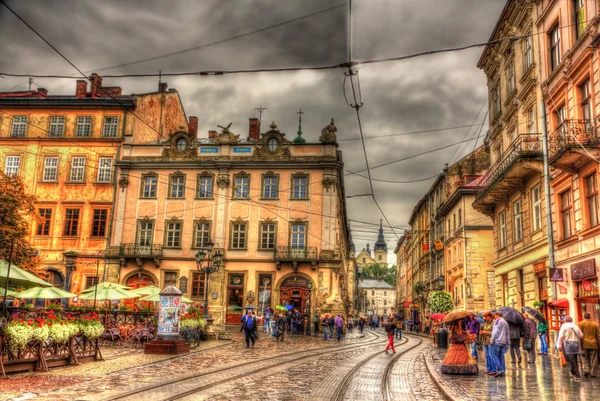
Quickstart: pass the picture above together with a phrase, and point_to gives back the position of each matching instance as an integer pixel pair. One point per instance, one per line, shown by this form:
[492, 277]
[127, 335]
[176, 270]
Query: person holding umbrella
[499, 341]
[530, 336]
[458, 360]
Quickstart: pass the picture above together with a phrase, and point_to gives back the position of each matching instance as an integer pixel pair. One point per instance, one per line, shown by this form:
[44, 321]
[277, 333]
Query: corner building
[274, 208]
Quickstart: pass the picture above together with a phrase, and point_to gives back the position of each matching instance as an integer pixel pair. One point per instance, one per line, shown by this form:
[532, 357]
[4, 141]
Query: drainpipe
[549, 230]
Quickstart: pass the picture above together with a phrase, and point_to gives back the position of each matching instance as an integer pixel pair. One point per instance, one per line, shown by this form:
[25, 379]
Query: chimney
[212, 134]
[42, 92]
[81, 89]
[96, 88]
[254, 129]
[193, 126]
[162, 87]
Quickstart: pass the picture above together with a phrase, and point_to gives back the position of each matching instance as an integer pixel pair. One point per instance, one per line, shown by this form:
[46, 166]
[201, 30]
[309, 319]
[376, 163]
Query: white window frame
[502, 229]
[555, 48]
[531, 121]
[239, 235]
[173, 231]
[300, 188]
[105, 169]
[12, 165]
[57, 126]
[84, 126]
[77, 169]
[518, 220]
[19, 126]
[298, 236]
[267, 235]
[510, 78]
[111, 127]
[536, 210]
[242, 187]
[50, 173]
[528, 54]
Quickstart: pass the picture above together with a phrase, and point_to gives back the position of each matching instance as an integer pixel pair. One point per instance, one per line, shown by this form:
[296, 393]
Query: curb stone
[446, 389]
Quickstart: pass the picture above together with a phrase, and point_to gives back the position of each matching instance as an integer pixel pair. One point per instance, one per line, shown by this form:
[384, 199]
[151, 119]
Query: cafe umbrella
[106, 284]
[156, 298]
[148, 290]
[45, 293]
[456, 315]
[19, 277]
[512, 315]
[108, 293]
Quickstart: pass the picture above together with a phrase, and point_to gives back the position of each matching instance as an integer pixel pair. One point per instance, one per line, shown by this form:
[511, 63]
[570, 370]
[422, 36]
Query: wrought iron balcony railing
[287, 253]
[137, 251]
[573, 133]
[523, 145]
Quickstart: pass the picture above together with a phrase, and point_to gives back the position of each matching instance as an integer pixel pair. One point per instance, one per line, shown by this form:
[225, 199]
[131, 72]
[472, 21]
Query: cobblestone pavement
[543, 381]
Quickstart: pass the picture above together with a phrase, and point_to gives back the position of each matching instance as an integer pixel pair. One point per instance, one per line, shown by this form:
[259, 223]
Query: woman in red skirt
[458, 360]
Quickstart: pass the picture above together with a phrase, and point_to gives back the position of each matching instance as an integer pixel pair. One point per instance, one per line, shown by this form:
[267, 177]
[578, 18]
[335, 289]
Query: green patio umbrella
[10, 293]
[19, 277]
[103, 285]
[108, 293]
[45, 293]
[149, 290]
[156, 298]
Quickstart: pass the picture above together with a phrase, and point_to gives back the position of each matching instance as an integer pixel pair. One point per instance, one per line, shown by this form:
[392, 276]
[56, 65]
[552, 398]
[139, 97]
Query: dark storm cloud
[429, 92]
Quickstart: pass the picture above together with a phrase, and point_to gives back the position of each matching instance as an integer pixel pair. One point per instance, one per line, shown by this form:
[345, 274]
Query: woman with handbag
[530, 335]
[569, 341]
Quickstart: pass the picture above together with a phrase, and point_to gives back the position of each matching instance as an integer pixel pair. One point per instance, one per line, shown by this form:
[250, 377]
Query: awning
[560, 303]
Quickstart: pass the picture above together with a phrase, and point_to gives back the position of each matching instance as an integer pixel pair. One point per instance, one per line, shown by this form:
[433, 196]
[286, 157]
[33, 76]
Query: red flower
[49, 324]
[28, 323]
[39, 325]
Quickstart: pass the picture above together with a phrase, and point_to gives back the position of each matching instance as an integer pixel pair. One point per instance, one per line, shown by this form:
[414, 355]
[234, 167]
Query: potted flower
[538, 304]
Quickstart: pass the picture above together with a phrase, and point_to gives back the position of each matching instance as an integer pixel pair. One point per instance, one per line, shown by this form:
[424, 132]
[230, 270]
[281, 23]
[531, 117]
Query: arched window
[138, 281]
[56, 278]
[364, 260]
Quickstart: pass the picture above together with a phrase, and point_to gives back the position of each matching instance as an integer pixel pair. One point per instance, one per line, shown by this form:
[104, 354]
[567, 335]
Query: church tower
[381, 247]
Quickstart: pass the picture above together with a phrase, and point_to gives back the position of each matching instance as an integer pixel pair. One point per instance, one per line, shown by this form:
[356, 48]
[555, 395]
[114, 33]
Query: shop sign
[209, 150]
[582, 270]
[242, 150]
[539, 267]
[439, 245]
[557, 275]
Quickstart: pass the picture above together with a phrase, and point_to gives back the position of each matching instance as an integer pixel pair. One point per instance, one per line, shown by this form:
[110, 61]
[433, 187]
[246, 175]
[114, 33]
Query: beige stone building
[402, 283]
[378, 297]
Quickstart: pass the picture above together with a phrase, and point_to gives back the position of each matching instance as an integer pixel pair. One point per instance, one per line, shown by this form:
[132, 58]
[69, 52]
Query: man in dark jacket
[281, 323]
[530, 327]
[516, 332]
[249, 329]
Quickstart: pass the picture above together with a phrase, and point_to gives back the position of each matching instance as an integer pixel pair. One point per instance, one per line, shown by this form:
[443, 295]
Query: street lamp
[213, 262]
[309, 285]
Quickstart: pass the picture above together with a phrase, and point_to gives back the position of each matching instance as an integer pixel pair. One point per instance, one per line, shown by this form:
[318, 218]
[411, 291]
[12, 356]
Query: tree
[440, 302]
[376, 271]
[16, 205]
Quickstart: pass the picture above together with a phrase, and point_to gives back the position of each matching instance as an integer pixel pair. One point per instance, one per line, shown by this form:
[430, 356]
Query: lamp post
[309, 321]
[208, 263]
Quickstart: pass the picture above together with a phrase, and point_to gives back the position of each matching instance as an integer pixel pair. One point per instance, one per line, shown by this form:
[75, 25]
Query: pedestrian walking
[249, 329]
[485, 333]
[339, 325]
[350, 323]
[542, 330]
[325, 324]
[590, 343]
[398, 323]
[473, 329]
[569, 341]
[516, 332]
[361, 323]
[499, 341]
[417, 325]
[317, 321]
[411, 323]
[390, 328]
[267, 324]
[281, 322]
[330, 326]
[530, 335]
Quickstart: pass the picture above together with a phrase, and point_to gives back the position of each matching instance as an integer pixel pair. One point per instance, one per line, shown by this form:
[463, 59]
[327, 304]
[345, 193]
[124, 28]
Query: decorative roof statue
[226, 136]
[328, 134]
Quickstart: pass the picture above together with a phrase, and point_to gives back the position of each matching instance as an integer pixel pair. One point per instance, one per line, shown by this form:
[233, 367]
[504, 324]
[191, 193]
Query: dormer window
[181, 144]
[272, 144]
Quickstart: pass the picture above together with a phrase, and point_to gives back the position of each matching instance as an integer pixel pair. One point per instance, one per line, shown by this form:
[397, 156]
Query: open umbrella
[512, 315]
[20, 277]
[148, 290]
[536, 314]
[108, 293]
[9, 293]
[289, 307]
[455, 315]
[156, 298]
[45, 293]
[281, 308]
[103, 285]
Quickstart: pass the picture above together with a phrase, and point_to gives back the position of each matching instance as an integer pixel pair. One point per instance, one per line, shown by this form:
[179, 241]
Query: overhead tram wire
[467, 132]
[480, 129]
[409, 133]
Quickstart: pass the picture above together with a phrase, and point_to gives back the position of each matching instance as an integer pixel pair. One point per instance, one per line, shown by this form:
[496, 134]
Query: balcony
[573, 144]
[295, 255]
[507, 175]
[137, 251]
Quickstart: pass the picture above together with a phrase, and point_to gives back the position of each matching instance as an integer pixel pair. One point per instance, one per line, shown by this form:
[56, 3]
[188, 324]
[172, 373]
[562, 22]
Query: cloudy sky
[420, 94]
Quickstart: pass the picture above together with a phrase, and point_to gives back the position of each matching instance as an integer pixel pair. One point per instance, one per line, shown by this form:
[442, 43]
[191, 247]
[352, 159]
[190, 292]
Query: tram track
[316, 352]
[386, 391]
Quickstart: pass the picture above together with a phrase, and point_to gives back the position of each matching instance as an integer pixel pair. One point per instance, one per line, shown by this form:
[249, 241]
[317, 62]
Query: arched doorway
[294, 291]
[140, 280]
[55, 278]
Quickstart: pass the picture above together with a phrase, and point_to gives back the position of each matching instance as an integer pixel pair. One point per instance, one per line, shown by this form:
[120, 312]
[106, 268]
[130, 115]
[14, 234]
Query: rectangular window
[536, 200]
[270, 187]
[579, 14]
[502, 229]
[19, 126]
[171, 279]
[149, 186]
[528, 56]
[50, 169]
[198, 284]
[300, 187]
[518, 219]
[205, 187]
[57, 126]
[145, 233]
[201, 234]
[71, 222]
[459, 218]
[267, 236]
[298, 239]
[105, 169]
[591, 184]
[586, 109]
[561, 117]
[177, 186]
[495, 101]
[173, 234]
[510, 78]
[555, 55]
[242, 187]
[77, 169]
[265, 284]
[531, 121]
[43, 227]
[84, 126]
[566, 212]
[238, 236]
[91, 281]
[13, 163]
[99, 222]
[454, 221]
[111, 126]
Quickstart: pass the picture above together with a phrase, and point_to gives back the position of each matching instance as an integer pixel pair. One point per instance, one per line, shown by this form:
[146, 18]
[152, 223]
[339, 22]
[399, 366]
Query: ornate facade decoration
[330, 181]
[123, 181]
[226, 137]
[180, 145]
[328, 134]
[223, 181]
[280, 152]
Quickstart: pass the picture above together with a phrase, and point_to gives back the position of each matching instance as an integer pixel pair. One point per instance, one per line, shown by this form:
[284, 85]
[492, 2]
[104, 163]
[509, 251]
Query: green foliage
[440, 302]
[375, 271]
[418, 287]
[538, 304]
[54, 306]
